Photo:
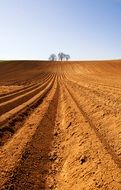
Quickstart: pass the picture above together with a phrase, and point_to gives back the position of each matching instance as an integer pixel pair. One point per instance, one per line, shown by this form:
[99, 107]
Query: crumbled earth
[60, 125]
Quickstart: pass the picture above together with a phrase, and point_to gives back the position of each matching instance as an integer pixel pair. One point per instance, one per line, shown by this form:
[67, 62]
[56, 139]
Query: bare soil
[60, 125]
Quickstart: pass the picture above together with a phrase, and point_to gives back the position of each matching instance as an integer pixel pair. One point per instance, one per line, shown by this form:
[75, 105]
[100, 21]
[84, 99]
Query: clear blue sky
[86, 29]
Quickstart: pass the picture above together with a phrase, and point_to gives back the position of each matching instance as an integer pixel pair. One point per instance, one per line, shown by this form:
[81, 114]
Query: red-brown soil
[60, 125]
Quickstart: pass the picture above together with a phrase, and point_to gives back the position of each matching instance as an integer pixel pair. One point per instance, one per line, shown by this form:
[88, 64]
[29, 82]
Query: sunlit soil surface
[60, 125]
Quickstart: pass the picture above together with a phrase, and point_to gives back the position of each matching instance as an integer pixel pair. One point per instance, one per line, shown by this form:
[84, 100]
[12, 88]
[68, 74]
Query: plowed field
[60, 125]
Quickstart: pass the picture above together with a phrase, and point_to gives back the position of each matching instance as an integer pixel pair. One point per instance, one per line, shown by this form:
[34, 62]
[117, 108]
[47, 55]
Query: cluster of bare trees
[61, 56]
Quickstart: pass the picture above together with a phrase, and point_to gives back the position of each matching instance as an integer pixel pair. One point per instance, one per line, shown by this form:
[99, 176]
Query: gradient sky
[85, 29]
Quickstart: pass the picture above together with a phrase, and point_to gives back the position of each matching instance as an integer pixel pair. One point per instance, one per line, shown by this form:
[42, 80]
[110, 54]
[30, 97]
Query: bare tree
[67, 57]
[61, 56]
[53, 57]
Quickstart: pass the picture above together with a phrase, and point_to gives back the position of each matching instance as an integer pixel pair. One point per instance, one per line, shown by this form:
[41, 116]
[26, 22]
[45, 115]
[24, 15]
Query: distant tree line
[61, 56]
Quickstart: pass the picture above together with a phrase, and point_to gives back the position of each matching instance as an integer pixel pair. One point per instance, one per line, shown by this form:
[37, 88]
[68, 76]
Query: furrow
[24, 162]
[82, 161]
[104, 113]
[17, 121]
[11, 104]
[31, 83]
[5, 118]
[102, 94]
[24, 90]
[113, 104]
[97, 132]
